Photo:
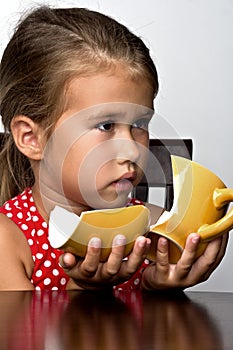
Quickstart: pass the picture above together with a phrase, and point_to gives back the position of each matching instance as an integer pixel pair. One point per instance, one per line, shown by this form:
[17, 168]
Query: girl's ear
[28, 137]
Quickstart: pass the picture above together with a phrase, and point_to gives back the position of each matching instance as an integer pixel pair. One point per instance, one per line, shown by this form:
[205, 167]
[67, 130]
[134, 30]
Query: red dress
[47, 273]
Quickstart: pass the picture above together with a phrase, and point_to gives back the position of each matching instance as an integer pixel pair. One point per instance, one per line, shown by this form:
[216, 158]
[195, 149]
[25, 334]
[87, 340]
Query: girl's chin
[106, 198]
[110, 201]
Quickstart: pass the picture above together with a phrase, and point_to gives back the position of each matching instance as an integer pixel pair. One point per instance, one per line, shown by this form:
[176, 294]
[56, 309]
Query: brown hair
[48, 49]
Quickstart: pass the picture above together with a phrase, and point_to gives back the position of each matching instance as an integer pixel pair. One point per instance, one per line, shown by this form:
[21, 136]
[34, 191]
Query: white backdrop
[191, 43]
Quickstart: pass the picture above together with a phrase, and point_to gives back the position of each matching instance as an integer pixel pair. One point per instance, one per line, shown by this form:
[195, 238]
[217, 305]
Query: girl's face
[100, 143]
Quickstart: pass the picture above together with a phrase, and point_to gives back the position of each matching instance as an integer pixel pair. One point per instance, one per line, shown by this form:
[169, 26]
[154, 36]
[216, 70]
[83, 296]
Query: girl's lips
[130, 176]
[123, 185]
[125, 182]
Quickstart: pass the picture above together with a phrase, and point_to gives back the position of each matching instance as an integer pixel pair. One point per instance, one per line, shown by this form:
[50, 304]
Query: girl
[77, 92]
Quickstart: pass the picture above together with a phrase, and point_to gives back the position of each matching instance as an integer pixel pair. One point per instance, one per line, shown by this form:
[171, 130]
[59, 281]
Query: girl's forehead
[106, 87]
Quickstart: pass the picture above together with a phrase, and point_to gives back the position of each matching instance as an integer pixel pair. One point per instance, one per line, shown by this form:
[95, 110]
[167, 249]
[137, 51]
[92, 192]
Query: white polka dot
[146, 261]
[33, 258]
[31, 199]
[39, 255]
[20, 215]
[35, 218]
[53, 255]
[47, 281]
[24, 197]
[30, 241]
[55, 272]
[33, 232]
[40, 232]
[37, 288]
[25, 205]
[44, 224]
[28, 216]
[7, 206]
[136, 281]
[33, 208]
[55, 288]
[38, 273]
[47, 263]
[45, 246]
[24, 227]
[9, 215]
[63, 281]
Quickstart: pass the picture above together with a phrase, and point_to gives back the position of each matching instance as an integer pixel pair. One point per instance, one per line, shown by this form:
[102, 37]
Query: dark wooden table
[127, 321]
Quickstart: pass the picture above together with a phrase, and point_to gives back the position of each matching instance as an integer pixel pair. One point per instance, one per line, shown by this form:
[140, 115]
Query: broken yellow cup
[70, 232]
[200, 205]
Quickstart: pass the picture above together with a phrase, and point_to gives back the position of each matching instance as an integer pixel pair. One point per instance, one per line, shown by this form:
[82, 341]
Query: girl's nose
[128, 150]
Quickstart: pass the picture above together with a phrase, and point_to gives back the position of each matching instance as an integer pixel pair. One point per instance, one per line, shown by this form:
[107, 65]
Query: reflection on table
[90, 320]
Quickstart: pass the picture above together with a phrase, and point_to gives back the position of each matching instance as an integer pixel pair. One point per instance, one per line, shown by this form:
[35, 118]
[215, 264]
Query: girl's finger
[113, 264]
[138, 255]
[162, 256]
[67, 261]
[90, 264]
[211, 257]
[188, 257]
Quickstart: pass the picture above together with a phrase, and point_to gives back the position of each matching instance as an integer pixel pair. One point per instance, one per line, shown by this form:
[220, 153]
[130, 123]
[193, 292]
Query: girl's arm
[16, 264]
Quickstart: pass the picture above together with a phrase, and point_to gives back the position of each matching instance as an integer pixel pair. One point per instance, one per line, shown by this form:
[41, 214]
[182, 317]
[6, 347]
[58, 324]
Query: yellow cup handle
[221, 197]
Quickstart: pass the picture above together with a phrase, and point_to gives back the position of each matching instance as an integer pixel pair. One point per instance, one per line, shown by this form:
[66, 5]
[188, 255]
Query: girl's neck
[47, 203]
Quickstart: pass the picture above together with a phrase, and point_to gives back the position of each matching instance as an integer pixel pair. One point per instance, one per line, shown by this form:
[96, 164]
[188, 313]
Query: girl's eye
[106, 126]
[141, 124]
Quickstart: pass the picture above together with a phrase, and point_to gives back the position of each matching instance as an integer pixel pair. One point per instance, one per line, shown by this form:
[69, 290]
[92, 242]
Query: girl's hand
[90, 273]
[188, 271]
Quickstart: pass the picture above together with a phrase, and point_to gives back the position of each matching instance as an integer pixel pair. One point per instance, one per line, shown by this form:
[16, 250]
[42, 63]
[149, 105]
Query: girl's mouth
[125, 182]
[123, 185]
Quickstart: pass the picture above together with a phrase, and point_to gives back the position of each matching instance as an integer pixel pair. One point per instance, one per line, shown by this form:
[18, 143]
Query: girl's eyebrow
[119, 116]
[105, 115]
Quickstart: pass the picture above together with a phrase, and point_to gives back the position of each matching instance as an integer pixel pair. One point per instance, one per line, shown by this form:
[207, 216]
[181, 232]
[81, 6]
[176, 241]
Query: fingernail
[163, 240]
[95, 242]
[64, 260]
[119, 240]
[195, 238]
[141, 241]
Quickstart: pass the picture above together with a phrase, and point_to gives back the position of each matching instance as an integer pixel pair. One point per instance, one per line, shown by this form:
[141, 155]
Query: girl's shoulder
[16, 264]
